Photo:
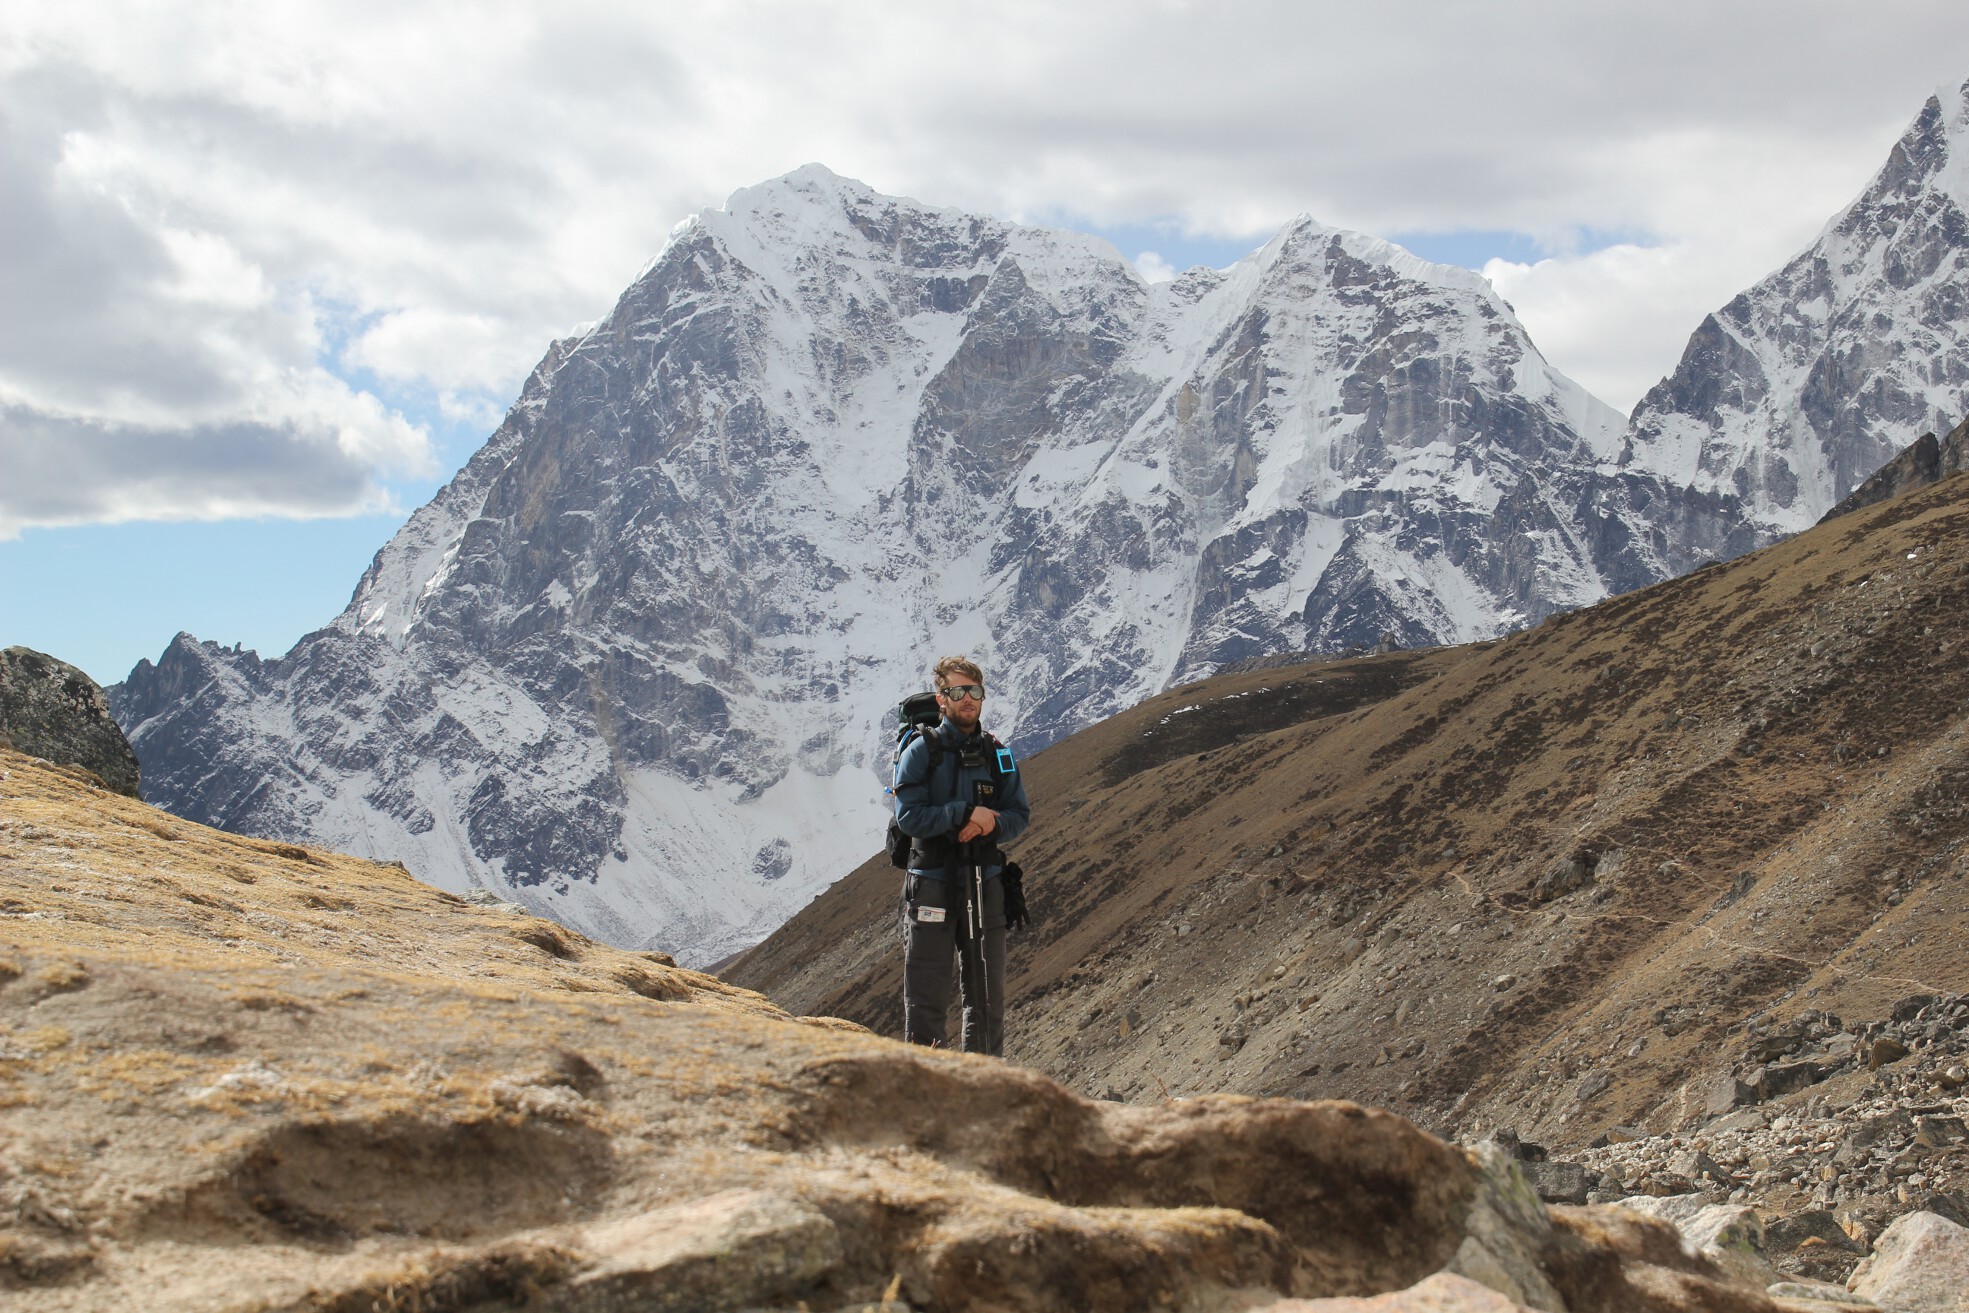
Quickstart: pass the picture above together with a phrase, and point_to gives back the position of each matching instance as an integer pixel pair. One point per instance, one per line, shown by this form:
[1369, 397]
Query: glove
[1014, 881]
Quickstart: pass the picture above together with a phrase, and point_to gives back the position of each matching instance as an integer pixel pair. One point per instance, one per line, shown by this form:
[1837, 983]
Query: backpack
[916, 717]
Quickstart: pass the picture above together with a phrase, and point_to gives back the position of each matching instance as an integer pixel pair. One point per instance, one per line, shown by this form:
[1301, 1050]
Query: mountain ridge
[635, 665]
[1801, 386]
[655, 626]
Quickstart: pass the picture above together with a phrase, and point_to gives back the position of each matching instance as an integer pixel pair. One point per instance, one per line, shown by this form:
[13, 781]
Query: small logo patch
[1005, 766]
[930, 915]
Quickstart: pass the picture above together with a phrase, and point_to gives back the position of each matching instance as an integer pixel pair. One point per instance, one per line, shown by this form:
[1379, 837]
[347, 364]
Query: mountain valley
[1557, 882]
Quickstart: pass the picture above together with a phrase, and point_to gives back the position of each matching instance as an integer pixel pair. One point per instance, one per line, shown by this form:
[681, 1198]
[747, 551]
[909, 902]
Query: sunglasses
[958, 692]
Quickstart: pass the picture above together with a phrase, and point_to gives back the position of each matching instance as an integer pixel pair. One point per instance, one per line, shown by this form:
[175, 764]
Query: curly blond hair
[957, 665]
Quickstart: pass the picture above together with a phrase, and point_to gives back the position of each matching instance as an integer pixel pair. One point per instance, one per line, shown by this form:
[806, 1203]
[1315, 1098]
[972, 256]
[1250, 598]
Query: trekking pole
[974, 920]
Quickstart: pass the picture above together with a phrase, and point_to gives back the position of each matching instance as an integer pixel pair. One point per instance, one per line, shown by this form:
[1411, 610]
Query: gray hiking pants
[930, 948]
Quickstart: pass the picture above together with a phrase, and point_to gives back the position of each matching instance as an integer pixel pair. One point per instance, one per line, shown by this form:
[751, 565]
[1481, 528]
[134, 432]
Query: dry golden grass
[83, 869]
[246, 1075]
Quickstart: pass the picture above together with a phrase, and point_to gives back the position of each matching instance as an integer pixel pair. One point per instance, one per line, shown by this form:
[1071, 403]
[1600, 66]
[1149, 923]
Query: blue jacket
[928, 808]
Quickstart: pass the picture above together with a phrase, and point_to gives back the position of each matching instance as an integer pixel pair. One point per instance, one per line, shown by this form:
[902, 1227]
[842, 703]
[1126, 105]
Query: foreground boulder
[1920, 1264]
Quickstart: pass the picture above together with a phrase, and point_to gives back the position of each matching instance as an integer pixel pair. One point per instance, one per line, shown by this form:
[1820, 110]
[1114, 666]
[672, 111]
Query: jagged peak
[1953, 176]
[1305, 233]
[812, 200]
[1932, 154]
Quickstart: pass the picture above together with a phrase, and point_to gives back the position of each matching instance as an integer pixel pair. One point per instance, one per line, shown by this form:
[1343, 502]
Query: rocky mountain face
[634, 667]
[50, 709]
[1567, 882]
[249, 1075]
[1795, 392]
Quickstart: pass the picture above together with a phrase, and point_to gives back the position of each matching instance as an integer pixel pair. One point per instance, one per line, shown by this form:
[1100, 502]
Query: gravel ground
[1829, 1131]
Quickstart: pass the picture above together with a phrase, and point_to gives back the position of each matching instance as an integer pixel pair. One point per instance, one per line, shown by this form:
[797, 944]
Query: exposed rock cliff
[1925, 461]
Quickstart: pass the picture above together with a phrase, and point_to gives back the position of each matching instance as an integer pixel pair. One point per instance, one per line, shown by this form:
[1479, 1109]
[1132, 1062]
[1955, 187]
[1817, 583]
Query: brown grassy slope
[1325, 880]
[238, 1075]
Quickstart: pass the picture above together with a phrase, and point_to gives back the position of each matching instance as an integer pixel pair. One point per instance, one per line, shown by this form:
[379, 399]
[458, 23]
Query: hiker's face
[960, 711]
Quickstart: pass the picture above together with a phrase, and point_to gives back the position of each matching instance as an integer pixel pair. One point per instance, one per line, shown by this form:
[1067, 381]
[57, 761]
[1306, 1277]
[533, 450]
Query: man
[958, 796]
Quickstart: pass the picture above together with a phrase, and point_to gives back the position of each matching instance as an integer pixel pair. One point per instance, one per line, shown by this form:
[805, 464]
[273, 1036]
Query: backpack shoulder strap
[933, 749]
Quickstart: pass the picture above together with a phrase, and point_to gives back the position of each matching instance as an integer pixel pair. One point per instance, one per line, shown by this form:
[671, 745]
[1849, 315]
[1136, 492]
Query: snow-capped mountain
[1791, 395]
[634, 667]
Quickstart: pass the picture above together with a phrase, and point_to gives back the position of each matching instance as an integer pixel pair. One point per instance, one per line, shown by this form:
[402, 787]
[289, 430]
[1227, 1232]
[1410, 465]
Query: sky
[271, 270]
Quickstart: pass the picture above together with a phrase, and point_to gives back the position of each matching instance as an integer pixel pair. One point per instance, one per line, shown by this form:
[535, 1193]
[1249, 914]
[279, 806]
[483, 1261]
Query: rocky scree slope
[634, 667]
[1831, 1130]
[1543, 882]
[247, 1075]
[1832, 1133]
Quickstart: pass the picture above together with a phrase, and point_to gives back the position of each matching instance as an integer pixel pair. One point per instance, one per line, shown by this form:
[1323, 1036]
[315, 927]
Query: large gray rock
[1558, 1182]
[49, 709]
[1816, 1225]
[1728, 1235]
[1922, 462]
[1676, 1209]
[1920, 1264]
[1732, 1237]
[1505, 1234]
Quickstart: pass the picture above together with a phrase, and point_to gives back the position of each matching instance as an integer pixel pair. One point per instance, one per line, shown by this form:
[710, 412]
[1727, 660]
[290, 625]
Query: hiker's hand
[983, 821]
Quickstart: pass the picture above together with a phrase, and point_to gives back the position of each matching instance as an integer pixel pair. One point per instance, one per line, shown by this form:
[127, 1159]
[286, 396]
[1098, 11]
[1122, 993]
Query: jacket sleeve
[1014, 812]
[916, 815]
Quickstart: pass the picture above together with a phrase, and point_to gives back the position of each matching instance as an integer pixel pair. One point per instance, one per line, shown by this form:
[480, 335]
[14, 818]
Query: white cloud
[149, 367]
[428, 343]
[471, 408]
[207, 204]
[1617, 319]
[1154, 268]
